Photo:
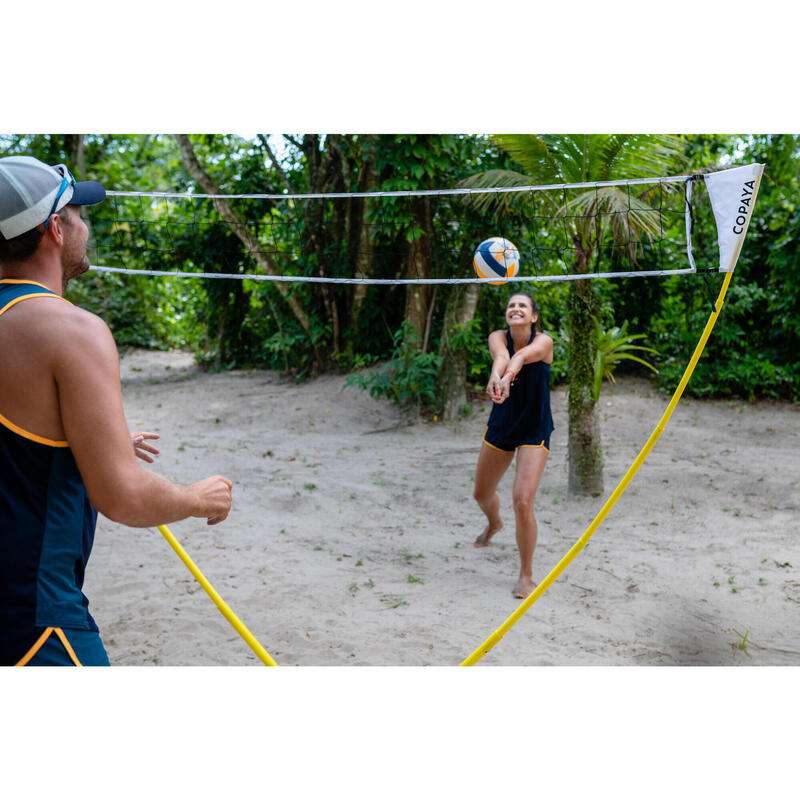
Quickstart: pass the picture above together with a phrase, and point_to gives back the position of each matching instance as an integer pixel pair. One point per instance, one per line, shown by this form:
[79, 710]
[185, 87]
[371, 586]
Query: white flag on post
[733, 196]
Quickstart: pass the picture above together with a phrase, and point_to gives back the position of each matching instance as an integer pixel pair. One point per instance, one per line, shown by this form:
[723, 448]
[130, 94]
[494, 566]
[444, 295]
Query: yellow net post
[226, 612]
[492, 640]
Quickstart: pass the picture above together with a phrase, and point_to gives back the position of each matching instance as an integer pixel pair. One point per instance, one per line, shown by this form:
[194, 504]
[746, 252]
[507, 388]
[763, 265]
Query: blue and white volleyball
[496, 258]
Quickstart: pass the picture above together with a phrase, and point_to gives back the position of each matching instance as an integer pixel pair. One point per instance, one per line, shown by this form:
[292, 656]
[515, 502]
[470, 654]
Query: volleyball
[496, 258]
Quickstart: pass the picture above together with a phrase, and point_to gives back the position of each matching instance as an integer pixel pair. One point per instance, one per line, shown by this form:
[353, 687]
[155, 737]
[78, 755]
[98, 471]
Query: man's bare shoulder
[80, 332]
[48, 325]
[65, 313]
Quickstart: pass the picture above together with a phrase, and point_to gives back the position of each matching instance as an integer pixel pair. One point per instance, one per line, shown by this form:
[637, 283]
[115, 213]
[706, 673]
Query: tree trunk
[74, 152]
[585, 456]
[222, 334]
[452, 378]
[76, 161]
[418, 265]
[239, 227]
[319, 168]
[364, 257]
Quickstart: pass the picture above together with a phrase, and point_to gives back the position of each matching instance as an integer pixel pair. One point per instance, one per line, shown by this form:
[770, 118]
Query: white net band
[676, 179]
[400, 281]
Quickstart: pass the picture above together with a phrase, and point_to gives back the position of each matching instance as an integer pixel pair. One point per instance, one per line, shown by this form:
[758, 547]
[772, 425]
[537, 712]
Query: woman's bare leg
[530, 465]
[492, 464]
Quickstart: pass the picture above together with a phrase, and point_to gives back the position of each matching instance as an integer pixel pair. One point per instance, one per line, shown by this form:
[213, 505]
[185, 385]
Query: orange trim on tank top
[28, 297]
[25, 280]
[34, 437]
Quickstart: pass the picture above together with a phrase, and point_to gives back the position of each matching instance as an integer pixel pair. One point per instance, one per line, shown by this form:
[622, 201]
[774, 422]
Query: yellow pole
[237, 624]
[492, 640]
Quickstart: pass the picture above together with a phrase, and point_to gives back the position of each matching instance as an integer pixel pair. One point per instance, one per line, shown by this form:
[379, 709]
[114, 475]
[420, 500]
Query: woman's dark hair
[537, 326]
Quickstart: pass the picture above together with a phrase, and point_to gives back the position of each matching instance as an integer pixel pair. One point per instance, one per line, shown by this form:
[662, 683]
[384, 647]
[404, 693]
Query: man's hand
[213, 498]
[141, 449]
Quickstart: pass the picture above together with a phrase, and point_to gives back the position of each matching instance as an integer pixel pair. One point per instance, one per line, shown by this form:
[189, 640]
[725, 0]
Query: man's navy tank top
[47, 526]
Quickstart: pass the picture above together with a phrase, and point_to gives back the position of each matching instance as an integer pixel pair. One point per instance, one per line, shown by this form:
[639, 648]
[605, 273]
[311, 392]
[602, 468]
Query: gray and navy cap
[30, 191]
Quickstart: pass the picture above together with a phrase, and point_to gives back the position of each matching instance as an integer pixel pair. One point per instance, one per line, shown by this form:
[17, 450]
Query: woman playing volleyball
[521, 423]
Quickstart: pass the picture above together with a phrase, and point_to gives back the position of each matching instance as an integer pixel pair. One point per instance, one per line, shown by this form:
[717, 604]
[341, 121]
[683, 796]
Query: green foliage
[732, 362]
[472, 339]
[408, 378]
[276, 348]
[755, 349]
[558, 369]
[140, 312]
[754, 352]
[612, 347]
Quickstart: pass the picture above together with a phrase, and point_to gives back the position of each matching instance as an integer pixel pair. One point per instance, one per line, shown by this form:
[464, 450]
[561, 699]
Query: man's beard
[70, 269]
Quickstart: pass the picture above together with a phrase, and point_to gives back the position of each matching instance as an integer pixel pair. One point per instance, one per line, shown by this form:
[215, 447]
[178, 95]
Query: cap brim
[87, 193]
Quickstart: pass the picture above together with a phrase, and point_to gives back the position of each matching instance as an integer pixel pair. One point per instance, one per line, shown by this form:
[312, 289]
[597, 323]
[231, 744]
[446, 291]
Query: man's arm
[86, 370]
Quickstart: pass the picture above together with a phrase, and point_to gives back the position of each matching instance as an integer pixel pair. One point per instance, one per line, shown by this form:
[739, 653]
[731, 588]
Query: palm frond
[630, 216]
[611, 208]
[571, 153]
[643, 155]
[533, 154]
[495, 178]
[609, 153]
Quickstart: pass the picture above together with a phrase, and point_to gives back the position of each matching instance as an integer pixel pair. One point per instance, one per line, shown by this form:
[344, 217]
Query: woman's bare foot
[489, 531]
[523, 588]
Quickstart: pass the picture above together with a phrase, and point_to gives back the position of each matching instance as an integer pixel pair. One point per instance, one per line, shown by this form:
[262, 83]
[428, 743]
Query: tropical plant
[408, 378]
[613, 346]
[548, 159]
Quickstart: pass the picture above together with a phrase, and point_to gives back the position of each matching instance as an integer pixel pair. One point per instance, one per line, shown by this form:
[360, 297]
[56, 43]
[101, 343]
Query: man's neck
[48, 274]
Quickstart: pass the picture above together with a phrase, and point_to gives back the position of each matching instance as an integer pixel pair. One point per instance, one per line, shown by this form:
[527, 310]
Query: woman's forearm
[500, 365]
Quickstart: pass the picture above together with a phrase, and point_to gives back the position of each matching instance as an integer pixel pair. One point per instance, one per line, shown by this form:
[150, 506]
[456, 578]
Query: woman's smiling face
[519, 310]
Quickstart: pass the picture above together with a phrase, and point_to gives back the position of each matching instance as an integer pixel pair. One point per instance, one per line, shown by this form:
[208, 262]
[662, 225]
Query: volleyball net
[613, 229]
[610, 229]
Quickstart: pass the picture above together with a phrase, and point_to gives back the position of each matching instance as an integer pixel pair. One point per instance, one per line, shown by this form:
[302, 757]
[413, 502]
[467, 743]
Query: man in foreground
[65, 450]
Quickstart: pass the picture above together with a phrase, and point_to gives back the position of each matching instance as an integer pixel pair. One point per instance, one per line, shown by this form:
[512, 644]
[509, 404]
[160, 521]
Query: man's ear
[56, 229]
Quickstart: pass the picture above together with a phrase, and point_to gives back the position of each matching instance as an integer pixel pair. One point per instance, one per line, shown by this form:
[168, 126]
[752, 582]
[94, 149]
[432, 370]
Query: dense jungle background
[426, 344]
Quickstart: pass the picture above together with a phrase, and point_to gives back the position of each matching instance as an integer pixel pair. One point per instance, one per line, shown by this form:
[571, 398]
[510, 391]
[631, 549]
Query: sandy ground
[350, 539]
